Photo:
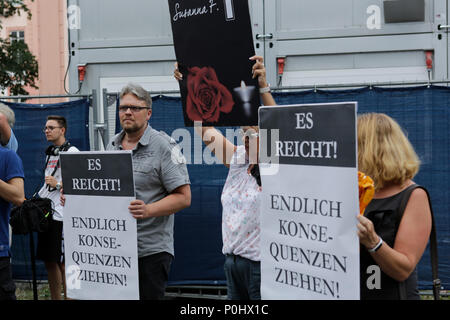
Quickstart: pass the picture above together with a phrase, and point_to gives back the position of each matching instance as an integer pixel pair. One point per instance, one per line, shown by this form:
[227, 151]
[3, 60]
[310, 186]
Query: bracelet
[265, 90]
[378, 246]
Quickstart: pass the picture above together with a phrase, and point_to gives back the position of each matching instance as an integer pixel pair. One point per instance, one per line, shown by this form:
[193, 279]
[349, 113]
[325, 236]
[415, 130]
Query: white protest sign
[100, 235]
[309, 242]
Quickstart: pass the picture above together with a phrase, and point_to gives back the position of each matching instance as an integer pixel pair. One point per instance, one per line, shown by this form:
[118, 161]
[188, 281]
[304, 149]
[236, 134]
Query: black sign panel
[213, 43]
[316, 135]
[98, 174]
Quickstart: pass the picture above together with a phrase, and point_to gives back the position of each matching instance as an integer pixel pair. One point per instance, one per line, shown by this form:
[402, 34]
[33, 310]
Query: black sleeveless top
[386, 215]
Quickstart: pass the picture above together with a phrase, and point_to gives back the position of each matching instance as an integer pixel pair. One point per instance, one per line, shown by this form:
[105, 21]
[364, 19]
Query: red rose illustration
[206, 96]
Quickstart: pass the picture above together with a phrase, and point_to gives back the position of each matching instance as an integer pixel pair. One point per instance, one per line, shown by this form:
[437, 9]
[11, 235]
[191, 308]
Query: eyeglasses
[51, 128]
[132, 108]
[253, 135]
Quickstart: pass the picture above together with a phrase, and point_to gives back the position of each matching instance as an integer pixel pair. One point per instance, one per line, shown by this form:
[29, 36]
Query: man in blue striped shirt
[11, 191]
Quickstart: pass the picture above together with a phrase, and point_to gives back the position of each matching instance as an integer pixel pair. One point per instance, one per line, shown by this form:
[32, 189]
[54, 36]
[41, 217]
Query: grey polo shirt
[158, 170]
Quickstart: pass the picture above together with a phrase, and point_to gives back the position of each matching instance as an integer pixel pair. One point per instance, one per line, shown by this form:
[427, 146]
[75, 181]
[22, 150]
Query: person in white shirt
[241, 200]
[50, 247]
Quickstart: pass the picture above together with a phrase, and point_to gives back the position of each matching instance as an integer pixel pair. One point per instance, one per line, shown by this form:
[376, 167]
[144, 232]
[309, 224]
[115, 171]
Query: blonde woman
[395, 228]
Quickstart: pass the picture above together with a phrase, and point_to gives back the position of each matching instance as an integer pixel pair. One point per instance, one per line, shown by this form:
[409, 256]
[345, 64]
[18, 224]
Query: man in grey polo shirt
[162, 188]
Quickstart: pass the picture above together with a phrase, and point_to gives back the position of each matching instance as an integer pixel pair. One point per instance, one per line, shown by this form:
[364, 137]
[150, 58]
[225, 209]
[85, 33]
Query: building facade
[304, 43]
[46, 36]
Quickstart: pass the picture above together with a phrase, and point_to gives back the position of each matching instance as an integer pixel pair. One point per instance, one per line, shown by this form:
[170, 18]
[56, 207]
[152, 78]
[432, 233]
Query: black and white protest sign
[100, 234]
[213, 43]
[309, 243]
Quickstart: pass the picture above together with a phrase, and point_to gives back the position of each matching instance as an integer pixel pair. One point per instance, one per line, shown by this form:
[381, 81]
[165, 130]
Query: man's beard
[133, 128]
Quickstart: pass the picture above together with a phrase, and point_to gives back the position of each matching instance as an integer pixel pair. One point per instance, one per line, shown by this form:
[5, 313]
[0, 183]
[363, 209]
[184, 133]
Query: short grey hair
[138, 91]
[9, 114]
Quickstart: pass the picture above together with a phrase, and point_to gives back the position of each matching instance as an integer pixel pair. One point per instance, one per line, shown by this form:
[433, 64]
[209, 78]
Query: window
[17, 35]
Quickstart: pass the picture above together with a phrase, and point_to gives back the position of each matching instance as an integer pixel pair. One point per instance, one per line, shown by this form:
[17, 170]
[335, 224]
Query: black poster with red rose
[213, 43]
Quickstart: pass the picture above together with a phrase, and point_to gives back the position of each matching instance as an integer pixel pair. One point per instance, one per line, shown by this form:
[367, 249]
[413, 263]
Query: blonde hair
[384, 152]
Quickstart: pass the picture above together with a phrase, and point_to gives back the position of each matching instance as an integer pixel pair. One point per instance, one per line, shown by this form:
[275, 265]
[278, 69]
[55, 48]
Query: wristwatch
[58, 186]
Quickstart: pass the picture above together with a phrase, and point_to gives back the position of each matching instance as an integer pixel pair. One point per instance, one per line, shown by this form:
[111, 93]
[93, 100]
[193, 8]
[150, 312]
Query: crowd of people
[393, 236]
[50, 247]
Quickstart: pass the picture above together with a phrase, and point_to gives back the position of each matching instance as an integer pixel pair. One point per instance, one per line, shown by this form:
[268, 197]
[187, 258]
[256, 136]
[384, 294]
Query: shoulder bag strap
[50, 189]
[36, 191]
[433, 239]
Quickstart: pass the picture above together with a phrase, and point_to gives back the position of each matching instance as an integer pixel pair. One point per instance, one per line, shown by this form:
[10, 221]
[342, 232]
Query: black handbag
[33, 215]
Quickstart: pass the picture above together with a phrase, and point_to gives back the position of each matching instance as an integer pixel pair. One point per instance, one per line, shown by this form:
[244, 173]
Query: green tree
[18, 66]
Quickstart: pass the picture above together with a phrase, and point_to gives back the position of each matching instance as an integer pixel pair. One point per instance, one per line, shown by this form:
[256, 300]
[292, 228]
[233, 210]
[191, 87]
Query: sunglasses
[249, 133]
[132, 108]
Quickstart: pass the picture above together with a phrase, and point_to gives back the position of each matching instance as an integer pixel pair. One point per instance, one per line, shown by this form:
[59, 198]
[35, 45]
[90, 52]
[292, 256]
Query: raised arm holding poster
[309, 243]
[213, 43]
[100, 234]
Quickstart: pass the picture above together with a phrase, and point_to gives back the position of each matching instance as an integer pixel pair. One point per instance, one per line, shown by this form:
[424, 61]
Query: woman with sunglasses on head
[240, 199]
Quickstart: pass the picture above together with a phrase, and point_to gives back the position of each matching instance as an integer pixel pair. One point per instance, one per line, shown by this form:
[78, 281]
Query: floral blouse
[241, 204]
